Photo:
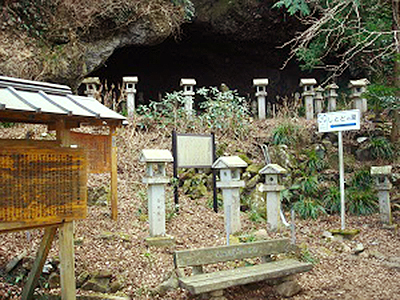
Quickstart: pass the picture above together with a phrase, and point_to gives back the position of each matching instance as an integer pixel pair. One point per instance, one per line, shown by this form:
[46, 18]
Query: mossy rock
[114, 236]
[346, 233]
[250, 184]
[254, 168]
[258, 203]
[245, 158]
[97, 285]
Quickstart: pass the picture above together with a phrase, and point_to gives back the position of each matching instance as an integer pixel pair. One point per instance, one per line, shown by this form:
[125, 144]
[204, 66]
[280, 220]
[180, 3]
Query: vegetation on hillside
[360, 35]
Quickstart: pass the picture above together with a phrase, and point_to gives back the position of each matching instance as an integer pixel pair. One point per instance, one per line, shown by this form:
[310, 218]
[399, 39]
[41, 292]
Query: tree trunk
[396, 37]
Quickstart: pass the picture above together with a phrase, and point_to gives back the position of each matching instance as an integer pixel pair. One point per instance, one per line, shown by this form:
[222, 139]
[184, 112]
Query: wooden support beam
[63, 133]
[67, 261]
[114, 193]
[66, 236]
[37, 267]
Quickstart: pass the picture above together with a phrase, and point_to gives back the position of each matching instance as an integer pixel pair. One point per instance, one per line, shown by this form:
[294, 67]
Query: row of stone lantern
[313, 96]
[314, 99]
[230, 182]
[129, 83]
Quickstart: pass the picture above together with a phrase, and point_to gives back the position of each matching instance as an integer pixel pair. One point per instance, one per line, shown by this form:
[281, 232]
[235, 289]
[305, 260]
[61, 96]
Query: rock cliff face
[223, 41]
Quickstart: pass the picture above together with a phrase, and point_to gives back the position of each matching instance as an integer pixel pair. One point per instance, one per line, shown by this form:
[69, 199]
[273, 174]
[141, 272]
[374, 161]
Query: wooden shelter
[43, 183]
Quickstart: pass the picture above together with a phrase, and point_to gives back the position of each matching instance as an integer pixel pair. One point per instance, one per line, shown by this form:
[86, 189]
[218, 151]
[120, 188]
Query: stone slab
[160, 241]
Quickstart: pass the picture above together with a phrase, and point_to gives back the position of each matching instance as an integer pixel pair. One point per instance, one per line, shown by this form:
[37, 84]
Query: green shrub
[310, 186]
[361, 201]
[224, 110]
[6, 125]
[308, 208]
[361, 180]
[331, 200]
[315, 162]
[285, 134]
[381, 148]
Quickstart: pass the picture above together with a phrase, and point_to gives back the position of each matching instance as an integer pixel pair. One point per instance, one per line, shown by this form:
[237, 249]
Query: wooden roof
[27, 101]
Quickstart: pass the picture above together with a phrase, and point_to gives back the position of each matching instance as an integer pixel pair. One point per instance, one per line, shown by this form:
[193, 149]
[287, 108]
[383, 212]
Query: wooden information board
[40, 187]
[98, 149]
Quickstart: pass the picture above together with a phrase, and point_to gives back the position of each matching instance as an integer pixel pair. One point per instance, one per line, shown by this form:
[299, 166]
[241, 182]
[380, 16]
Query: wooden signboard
[193, 151]
[98, 149]
[40, 187]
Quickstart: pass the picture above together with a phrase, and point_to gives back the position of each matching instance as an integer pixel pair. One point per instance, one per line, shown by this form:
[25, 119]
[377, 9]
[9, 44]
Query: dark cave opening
[211, 59]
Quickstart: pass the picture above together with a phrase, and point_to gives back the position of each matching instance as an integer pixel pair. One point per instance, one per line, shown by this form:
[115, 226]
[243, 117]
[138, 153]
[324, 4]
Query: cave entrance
[210, 59]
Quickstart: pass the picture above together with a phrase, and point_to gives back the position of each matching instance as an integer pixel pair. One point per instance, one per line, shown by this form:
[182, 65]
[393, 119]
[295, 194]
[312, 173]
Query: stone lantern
[156, 179]
[188, 92]
[91, 84]
[272, 187]
[319, 100]
[332, 95]
[230, 183]
[308, 94]
[383, 185]
[261, 94]
[129, 83]
[358, 87]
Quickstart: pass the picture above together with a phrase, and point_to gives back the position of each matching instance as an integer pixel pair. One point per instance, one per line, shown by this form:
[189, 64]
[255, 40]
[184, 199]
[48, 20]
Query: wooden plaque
[194, 151]
[40, 187]
[98, 149]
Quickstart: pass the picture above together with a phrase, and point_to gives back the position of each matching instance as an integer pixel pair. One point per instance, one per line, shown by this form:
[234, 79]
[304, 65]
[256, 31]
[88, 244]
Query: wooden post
[67, 261]
[63, 134]
[37, 267]
[67, 256]
[114, 194]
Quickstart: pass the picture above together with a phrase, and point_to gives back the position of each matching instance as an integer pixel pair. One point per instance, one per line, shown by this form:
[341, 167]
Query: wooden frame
[176, 165]
[24, 101]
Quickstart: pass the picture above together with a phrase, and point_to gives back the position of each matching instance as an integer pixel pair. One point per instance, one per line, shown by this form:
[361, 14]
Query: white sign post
[340, 121]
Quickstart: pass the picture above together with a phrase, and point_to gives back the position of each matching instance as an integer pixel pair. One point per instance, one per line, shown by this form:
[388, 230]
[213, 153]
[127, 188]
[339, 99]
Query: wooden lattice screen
[41, 186]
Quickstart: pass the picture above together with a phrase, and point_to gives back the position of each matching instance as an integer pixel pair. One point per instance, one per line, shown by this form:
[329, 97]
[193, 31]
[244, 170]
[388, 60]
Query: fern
[294, 6]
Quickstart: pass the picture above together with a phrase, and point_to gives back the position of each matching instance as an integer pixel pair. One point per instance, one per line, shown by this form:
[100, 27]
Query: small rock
[82, 278]
[338, 238]
[346, 248]
[15, 261]
[118, 284]
[377, 255]
[96, 285]
[27, 262]
[358, 249]
[394, 259]
[288, 288]
[390, 226]
[234, 240]
[261, 234]
[218, 293]
[328, 235]
[54, 280]
[391, 265]
[47, 268]
[361, 139]
[170, 284]
[79, 241]
[103, 274]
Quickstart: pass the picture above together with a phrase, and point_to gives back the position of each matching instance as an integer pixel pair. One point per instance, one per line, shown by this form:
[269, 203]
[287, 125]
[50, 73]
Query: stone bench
[215, 282]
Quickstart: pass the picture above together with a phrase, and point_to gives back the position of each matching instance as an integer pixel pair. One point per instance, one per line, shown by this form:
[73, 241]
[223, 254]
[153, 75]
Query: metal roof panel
[38, 101]
[70, 105]
[12, 102]
[96, 106]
